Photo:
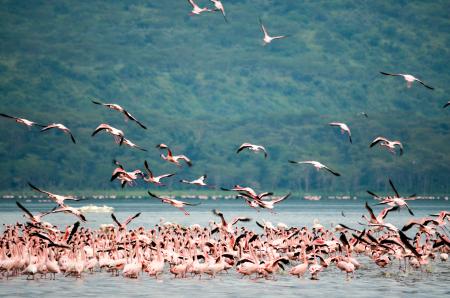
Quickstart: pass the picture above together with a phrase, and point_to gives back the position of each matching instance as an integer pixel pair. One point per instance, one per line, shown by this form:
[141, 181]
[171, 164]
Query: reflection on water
[369, 281]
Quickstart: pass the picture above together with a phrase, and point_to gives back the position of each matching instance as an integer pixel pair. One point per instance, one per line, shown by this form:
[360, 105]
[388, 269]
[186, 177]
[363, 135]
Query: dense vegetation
[203, 87]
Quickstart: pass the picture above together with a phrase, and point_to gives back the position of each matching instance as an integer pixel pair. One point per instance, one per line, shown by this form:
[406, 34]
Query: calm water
[368, 282]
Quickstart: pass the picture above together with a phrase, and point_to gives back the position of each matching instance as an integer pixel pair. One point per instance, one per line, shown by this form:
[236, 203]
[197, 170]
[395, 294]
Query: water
[368, 282]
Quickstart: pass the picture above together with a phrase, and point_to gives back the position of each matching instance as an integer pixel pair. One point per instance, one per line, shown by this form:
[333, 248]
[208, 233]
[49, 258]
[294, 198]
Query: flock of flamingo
[38, 248]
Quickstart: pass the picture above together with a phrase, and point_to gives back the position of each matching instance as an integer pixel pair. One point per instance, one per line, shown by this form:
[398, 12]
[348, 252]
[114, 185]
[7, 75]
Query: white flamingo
[267, 38]
[410, 79]
[60, 127]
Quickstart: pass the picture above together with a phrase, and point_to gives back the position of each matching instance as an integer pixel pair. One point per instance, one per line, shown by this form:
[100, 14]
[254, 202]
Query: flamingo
[270, 204]
[37, 218]
[254, 148]
[397, 200]
[408, 78]
[173, 158]
[380, 218]
[344, 129]
[196, 10]
[154, 179]
[317, 165]
[127, 142]
[423, 225]
[68, 209]
[23, 121]
[60, 127]
[219, 7]
[123, 226]
[126, 177]
[118, 108]
[116, 133]
[228, 226]
[58, 199]
[175, 203]
[267, 38]
[390, 145]
[199, 181]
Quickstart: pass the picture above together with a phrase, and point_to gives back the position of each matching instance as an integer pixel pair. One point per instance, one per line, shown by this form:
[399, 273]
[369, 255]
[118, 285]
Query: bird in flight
[173, 158]
[344, 129]
[201, 181]
[196, 10]
[267, 38]
[390, 145]
[131, 144]
[410, 79]
[154, 179]
[23, 121]
[175, 203]
[116, 133]
[219, 7]
[317, 165]
[58, 199]
[254, 148]
[118, 108]
[60, 127]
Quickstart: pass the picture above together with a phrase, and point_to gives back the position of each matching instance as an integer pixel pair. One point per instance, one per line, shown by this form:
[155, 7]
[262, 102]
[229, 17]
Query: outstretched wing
[24, 209]
[129, 219]
[7, 116]
[377, 140]
[429, 87]
[393, 188]
[263, 29]
[391, 74]
[147, 168]
[39, 190]
[74, 230]
[332, 172]
[115, 219]
[131, 117]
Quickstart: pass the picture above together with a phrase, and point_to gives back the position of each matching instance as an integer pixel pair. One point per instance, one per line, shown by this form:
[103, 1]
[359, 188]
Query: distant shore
[192, 194]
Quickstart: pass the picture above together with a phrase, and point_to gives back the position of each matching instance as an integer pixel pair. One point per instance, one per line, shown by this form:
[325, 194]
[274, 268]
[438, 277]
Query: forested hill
[204, 86]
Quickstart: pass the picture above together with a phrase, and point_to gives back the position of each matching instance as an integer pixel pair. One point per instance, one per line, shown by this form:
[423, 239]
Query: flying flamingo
[58, 199]
[131, 144]
[118, 108]
[199, 181]
[397, 200]
[219, 7]
[390, 145]
[344, 129]
[269, 204]
[116, 133]
[196, 10]
[175, 203]
[317, 165]
[123, 225]
[380, 218]
[154, 179]
[267, 38]
[23, 121]
[37, 218]
[60, 127]
[228, 226]
[68, 209]
[408, 78]
[173, 158]
[254, 148]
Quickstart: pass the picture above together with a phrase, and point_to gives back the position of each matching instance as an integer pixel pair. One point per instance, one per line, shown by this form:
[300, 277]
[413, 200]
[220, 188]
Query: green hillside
[203, 87]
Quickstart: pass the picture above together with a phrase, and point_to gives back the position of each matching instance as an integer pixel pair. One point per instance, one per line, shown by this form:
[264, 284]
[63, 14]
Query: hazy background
[203, 87]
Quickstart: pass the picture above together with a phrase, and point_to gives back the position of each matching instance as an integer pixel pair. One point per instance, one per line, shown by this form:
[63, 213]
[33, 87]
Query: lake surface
[369, 281]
